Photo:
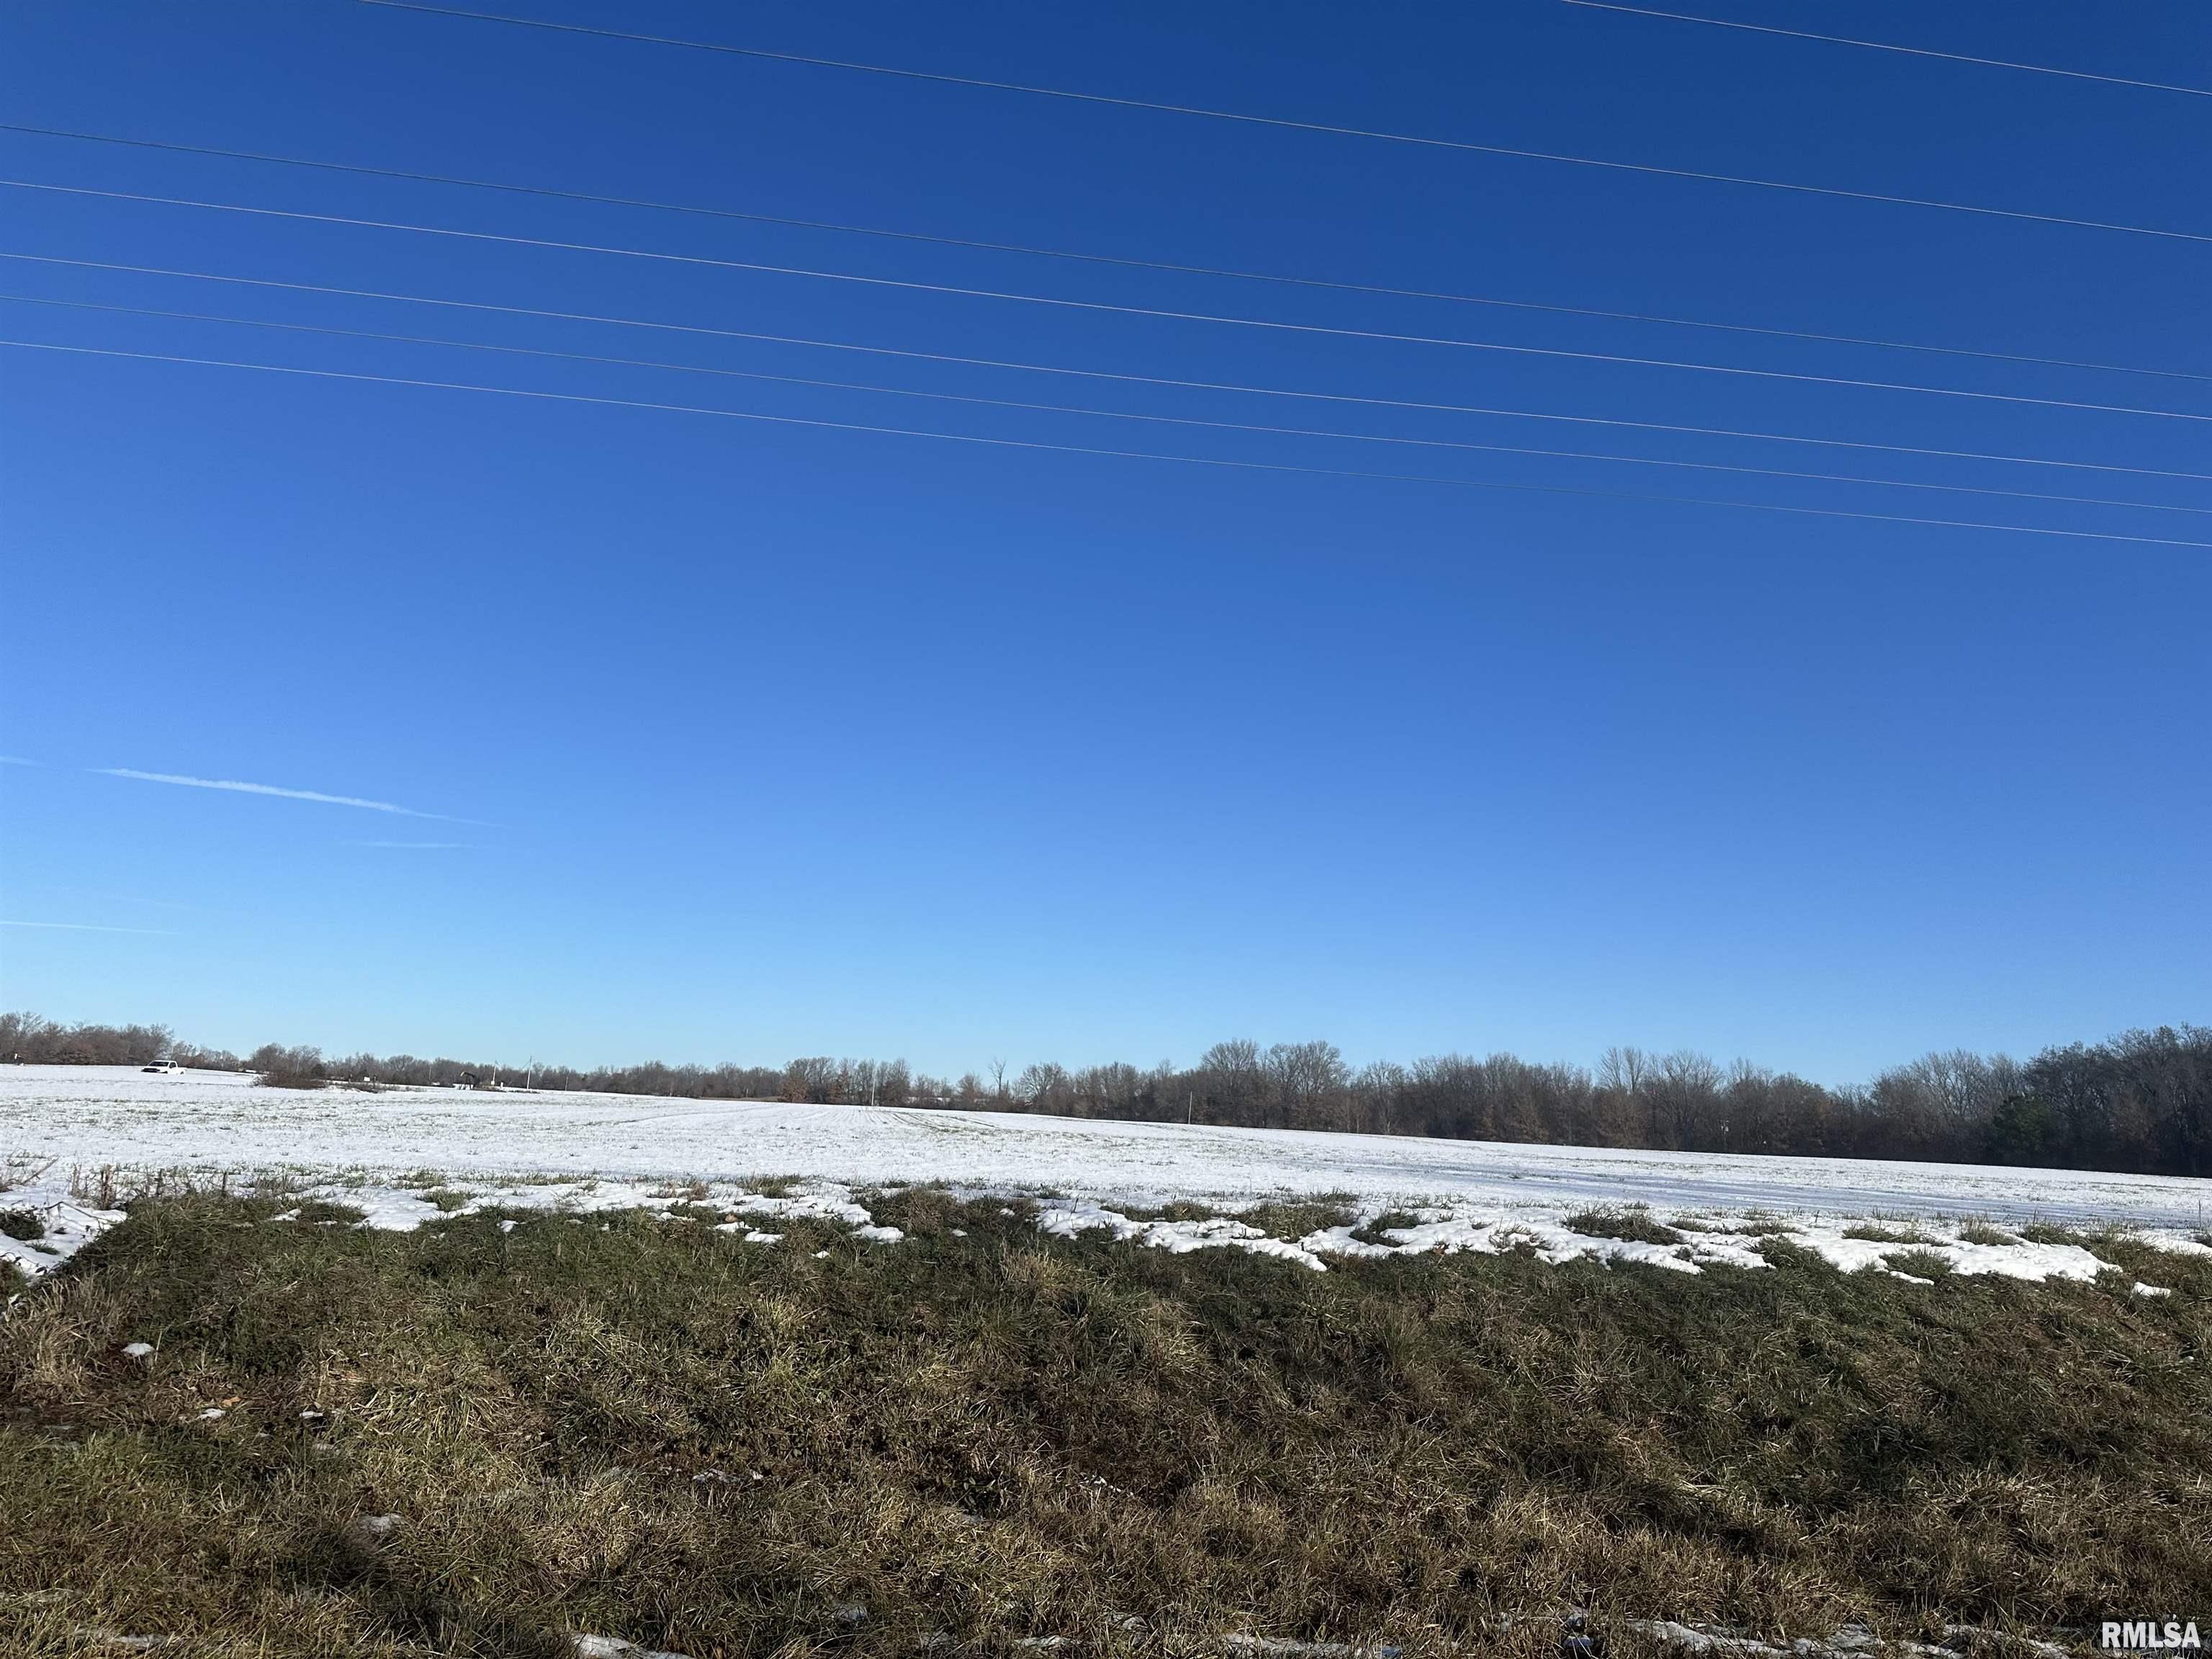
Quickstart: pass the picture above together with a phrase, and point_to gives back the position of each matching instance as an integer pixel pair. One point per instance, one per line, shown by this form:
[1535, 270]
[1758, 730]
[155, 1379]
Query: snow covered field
[63, 1121]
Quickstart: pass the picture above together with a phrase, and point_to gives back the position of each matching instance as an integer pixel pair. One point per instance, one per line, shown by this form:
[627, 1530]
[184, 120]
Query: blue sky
[722, 738]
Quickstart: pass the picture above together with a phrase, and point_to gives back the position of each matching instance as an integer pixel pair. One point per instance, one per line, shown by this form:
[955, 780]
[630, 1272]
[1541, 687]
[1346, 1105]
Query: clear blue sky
[750, 740]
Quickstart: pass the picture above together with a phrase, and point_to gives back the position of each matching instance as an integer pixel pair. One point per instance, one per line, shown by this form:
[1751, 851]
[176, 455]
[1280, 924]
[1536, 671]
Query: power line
[1081, 449]
[1285, 122]
[706, 330]
[1102, 414]
[979, 245]
[1102, 305]
[1891, 45]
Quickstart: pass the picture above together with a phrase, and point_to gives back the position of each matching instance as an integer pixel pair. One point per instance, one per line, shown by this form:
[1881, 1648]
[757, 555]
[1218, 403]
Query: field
[415, 1373]
[87, 1116]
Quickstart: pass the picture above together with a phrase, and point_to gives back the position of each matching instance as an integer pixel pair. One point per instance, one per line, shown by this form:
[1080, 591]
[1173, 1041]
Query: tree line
[2138, 1102]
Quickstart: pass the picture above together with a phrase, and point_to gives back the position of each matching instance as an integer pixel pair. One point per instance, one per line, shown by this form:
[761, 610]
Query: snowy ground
[65, 1123]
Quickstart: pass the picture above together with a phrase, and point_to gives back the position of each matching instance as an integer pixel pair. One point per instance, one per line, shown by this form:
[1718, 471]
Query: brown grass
[1628, 1221]
[1879, 1234]
[650, 1429]
[1983, 1232]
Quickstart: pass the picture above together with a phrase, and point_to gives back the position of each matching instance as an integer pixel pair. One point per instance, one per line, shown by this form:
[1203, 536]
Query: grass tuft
[1294, 1219]
[1921, 1264]
[1983, 1232]
[22, 1224]
[326, 1213]
[1879, 1234]
[1626, 1222]
[1376, 1230]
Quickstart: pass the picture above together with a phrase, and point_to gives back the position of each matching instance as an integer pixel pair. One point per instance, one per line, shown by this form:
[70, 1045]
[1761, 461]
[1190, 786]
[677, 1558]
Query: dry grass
[1287, 1219]
[19, 1169]
[647, 1429]
[2045, 1233]
[1983, 1232]
[1628, 1221]
[1378, 1230]
[326, 1212]
[1921, 1264]
[1879, 1234]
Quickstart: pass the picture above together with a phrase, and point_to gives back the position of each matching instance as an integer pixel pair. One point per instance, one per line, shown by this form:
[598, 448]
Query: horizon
[398, 718]
[333, 1052]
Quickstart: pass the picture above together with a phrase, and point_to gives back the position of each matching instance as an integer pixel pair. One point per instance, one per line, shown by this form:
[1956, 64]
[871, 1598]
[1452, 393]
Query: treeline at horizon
[2139, 1102]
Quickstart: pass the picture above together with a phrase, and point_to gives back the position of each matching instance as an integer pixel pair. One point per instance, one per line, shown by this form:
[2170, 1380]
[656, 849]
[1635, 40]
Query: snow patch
[1541, 1231]
[91, 1115]
[1069, 1221]
[582, 1154]
[613, 1647]
[65, 1227]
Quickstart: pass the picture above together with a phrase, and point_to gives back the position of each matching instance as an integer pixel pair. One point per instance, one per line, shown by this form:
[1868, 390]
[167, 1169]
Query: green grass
[447, 1199]
[999, 1436]
[23, 1225]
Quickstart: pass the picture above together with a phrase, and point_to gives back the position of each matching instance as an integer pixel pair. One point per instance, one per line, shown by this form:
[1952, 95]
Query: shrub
[289, 1068]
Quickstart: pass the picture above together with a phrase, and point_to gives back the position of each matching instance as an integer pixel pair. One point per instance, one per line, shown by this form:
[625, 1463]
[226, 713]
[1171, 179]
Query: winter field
[61, 1126]
[381, 1376]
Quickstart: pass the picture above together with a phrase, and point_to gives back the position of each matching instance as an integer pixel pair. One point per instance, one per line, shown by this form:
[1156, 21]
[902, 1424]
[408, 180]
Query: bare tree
[1305, 1078]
